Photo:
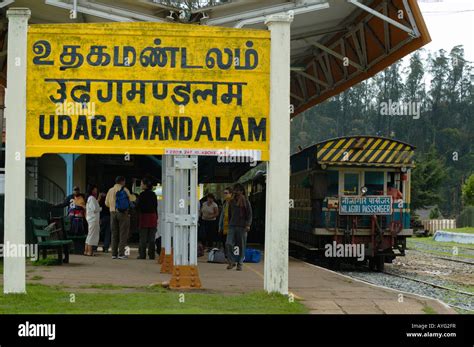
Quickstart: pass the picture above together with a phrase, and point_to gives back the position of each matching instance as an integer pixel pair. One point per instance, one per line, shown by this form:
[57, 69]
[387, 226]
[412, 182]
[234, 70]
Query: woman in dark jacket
[147, 219]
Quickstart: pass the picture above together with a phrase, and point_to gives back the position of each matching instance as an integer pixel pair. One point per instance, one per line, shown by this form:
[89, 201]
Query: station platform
[321, 290]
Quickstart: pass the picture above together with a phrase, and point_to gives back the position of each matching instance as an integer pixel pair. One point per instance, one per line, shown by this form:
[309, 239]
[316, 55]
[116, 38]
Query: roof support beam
[384, 18]
[374, 36]
[312, 78]
[337, 55]
[6, 3]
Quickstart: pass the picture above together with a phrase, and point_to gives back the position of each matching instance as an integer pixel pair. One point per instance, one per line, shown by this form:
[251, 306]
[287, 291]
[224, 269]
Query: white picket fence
[433, 225]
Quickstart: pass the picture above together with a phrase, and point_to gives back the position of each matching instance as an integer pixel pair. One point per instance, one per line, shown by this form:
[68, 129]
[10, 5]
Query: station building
[334, 45]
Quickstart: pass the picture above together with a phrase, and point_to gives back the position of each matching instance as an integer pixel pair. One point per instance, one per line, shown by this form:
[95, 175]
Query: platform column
[185, 271]
[161, 211]
[168, 201]
[278, 168]
[70, 159]
[15, 164]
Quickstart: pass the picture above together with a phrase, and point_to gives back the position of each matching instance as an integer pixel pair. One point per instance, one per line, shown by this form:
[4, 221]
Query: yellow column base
[167, 264]
[162, 255]
[185, 277]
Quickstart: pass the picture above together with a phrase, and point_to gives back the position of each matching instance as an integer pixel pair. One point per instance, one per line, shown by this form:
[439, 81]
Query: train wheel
[372, 264]
[380, 263]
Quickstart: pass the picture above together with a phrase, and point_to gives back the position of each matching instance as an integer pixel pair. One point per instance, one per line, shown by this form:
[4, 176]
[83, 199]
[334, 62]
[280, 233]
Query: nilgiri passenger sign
[147, 88]
[365, 205]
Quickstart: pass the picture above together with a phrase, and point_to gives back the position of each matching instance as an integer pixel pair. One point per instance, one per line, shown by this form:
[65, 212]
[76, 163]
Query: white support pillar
[169, 196]
[278, 168]
[168, 181]
[15, 108]
[185, 270]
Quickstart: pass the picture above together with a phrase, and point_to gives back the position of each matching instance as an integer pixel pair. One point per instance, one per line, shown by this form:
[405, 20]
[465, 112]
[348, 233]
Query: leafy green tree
[434, 213]
[468, 191]
[427, 178]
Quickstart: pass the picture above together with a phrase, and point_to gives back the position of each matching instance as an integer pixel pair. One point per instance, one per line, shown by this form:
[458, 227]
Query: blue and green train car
[352, 191]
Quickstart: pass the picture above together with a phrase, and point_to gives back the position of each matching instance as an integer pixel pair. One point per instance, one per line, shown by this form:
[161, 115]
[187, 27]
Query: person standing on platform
[240, 220]
[104, 223]
[76, 203]
[147, 208]
[224, 217]
[118, 201]
[209, 214]
[93, 221]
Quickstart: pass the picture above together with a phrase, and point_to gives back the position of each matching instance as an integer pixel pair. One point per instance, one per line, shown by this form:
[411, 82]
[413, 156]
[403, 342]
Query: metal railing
[49, 190]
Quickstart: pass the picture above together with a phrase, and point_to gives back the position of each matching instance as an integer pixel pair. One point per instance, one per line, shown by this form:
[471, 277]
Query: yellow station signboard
[147, 88]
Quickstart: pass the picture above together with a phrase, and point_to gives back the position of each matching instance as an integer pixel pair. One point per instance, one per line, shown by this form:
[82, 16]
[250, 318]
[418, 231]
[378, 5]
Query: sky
[450, 23]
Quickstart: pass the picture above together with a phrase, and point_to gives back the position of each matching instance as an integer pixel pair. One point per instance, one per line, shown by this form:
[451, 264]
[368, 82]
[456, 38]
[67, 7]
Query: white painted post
[185, 209]
[169, 197]
[193, 211]
[278, 168]
[178, 200]
[15, 108]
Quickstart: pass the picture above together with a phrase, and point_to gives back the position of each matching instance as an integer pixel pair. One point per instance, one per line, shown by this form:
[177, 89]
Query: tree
[414, 92]
[443, 136]
[434, 213]
[427, 178]
[468, 191]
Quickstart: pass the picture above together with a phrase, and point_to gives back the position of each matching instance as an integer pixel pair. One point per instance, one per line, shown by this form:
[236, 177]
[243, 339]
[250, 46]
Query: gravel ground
[426, 267]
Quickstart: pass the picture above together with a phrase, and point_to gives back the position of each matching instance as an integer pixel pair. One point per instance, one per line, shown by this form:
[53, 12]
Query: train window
[351, 183]
[333, 183]
[374, 182]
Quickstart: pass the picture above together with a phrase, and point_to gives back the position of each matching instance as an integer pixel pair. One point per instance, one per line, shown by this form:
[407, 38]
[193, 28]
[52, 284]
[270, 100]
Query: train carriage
[352, 191]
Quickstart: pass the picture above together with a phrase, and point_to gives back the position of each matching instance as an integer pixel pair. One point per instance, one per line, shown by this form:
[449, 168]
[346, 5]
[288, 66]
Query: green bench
[78, 240]
[44, 236]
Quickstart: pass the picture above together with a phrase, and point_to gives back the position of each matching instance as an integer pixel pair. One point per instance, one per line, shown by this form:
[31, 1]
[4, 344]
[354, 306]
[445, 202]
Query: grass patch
[466, 230]
[105, 286]
[44, 262]
[465, 287]
[461, 311]
[429, 310]
[36, 278]
[430, 241]
[153, 300]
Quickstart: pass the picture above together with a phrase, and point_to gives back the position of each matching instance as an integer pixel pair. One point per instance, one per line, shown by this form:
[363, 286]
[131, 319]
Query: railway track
[456, 260]
[429, 283]
[455, 298]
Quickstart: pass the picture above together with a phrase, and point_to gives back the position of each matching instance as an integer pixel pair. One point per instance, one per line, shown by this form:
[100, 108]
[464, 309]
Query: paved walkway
[321, 290]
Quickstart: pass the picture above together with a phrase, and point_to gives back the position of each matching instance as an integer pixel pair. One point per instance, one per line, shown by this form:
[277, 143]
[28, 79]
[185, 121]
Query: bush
[466, 218]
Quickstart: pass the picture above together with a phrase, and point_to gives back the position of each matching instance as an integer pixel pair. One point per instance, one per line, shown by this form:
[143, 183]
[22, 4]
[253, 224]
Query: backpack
[216, 255]
[122, 203]
[252, 255]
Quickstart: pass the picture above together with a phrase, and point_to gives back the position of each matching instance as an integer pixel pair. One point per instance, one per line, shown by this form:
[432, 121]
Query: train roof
[361, 150]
